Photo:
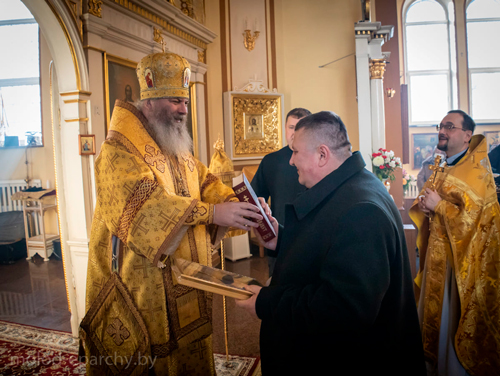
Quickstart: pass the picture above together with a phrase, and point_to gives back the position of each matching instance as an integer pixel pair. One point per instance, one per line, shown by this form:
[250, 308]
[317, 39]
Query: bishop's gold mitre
[163, 74]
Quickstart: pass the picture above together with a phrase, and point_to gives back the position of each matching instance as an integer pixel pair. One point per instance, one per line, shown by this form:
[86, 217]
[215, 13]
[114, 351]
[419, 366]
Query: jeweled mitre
[163, 75]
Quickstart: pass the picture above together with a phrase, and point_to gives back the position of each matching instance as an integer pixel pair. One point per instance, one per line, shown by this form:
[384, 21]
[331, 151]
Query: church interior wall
[311, 34]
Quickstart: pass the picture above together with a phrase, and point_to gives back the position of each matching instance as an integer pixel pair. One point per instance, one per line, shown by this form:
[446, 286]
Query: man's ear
[468, 133]
[324, 155]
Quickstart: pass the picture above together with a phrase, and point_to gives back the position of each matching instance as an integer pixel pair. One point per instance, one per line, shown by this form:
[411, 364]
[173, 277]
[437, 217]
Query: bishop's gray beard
[173, 138]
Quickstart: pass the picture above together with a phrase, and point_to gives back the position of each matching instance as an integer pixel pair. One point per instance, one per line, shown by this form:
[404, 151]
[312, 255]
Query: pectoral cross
[436, 168]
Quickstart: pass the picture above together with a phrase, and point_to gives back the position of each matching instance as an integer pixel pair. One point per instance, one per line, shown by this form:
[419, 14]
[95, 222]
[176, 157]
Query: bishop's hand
[236, 214]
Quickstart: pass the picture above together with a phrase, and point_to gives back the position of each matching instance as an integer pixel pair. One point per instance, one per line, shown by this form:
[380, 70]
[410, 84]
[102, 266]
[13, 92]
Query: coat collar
[311, 198]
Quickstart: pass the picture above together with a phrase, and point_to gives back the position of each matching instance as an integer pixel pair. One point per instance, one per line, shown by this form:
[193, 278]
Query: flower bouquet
[407, 180]
[384, 163]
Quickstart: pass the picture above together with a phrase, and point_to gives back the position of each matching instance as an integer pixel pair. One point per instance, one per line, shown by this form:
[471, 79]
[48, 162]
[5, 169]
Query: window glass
[483, 9]
[425, 11]
[22, 43]
[19, 76]
[13, 10]
[429, 97]
[480, 49]
[427, 47]
[485, 96]
[22, 109]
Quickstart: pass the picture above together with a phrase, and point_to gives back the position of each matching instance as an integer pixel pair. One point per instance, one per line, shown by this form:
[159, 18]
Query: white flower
[391, 154]
[378, 161]
[392, 164]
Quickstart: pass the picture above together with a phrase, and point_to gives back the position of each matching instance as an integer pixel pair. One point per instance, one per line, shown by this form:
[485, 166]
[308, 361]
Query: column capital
[377, 69]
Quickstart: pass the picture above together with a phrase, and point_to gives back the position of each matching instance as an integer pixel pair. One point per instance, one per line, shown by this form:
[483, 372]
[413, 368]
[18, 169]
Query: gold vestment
[464, 231]
[155, 205]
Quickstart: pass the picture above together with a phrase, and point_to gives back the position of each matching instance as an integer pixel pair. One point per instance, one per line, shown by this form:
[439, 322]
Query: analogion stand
[35, 205]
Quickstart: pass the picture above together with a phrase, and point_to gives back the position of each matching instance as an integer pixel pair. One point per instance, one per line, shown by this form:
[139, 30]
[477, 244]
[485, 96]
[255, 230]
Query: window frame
[448, 72]
[12, 82]
[471, 71]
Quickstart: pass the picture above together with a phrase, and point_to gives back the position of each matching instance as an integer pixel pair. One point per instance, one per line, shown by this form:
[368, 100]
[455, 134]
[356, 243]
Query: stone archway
[74, 173]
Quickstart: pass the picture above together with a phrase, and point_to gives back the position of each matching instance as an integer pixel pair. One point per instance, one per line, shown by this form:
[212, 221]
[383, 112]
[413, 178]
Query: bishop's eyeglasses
[447, 127]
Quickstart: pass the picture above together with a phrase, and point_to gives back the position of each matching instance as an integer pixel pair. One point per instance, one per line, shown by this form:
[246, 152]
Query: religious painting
[254, 124]
[423, 145]
[492, 139]
[86, 144]
[120, 81]
[253, 127]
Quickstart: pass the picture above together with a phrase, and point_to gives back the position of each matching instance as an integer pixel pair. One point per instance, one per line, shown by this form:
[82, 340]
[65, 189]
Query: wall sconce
[390, 92]
[249, 39]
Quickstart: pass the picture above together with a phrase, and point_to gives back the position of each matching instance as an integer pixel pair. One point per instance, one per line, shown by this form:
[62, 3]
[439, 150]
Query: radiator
[8, 188]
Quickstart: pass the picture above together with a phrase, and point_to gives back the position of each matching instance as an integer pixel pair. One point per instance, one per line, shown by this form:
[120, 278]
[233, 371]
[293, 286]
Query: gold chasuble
[149, 207]
[464, 231]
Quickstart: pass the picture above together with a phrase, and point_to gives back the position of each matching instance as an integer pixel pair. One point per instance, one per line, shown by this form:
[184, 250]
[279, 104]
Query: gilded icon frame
[253, 124]
[118, 74]
[86, 144]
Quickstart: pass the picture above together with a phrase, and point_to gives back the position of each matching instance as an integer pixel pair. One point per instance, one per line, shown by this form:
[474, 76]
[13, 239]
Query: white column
[363, 37]
[363, 90]
[377, 69]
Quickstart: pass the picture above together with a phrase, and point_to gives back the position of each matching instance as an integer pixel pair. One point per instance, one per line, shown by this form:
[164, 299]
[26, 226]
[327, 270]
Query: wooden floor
[34, 293]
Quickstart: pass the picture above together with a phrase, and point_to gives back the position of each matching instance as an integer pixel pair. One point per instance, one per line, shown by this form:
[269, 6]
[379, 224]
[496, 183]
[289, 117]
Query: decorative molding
[166, 25]
[75, 8]
[255, 86]
[95, 7]
[377, 69]
[69, 41]
[201, 56]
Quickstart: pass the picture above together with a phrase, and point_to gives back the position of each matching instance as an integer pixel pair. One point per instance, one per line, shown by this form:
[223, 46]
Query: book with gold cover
[210, 279]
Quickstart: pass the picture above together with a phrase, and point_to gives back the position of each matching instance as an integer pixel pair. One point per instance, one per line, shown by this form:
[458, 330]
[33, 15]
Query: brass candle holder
[249, 39]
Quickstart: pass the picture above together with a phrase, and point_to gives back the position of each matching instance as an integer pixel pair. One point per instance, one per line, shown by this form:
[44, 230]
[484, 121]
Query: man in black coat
[341, 298]
[277, 179]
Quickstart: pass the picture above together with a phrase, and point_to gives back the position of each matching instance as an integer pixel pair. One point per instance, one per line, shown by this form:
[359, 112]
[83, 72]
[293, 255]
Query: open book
[210, 279]
[245, 193]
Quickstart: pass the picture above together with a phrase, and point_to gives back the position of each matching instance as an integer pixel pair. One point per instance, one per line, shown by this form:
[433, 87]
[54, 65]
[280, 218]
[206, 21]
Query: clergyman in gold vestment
[155, 201]
[459, 242]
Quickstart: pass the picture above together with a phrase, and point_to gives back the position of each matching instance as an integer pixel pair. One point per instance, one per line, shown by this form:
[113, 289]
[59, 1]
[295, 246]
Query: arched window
[20, 111]
[483, 28]
[430, 59]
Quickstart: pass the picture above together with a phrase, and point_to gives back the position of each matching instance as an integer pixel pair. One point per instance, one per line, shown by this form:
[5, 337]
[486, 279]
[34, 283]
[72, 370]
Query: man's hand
[235, 214]
[249, 304]
[271, 244]
[430, 199]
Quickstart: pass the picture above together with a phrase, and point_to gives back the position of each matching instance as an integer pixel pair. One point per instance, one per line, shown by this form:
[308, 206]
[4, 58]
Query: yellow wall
[308, 35]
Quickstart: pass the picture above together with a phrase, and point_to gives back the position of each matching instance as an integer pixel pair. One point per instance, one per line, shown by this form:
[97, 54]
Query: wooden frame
[422, 145]
[86, 144]
[492, 139]
[253, 123]
[120, 82]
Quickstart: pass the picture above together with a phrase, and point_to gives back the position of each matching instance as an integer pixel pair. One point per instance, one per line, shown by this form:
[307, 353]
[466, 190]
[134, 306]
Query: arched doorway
[70, 100]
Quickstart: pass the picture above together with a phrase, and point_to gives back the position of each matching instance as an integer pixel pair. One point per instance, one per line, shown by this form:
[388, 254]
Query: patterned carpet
[28, 350]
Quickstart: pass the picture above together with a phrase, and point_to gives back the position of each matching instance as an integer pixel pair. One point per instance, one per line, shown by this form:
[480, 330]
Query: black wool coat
[341, 298]
[275, 178]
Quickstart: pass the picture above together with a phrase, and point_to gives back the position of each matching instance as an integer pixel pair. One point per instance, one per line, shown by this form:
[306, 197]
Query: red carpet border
[29, 350]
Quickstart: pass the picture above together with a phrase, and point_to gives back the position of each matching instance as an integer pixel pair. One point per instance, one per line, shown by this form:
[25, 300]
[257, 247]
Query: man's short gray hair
[327, 128]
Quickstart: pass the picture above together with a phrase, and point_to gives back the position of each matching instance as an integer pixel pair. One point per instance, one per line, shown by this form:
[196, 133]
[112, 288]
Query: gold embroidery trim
[140, 195]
